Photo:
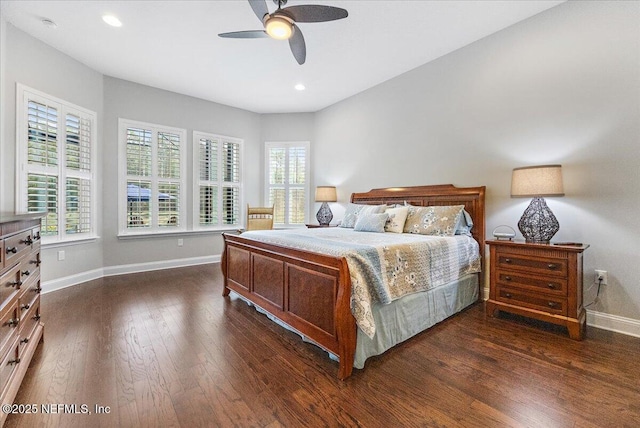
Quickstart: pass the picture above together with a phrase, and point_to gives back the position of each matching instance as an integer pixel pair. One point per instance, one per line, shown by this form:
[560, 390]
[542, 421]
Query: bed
[310, 292]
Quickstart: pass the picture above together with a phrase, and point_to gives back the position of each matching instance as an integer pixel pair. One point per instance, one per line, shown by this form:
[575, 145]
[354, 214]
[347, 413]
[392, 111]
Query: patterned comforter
[384, 266]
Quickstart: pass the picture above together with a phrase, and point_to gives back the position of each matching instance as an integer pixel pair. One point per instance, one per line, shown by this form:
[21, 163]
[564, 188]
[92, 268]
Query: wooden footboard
[308, 291]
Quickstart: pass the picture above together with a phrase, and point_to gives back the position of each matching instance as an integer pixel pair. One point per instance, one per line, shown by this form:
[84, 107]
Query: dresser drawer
[549, 284]
[30, 268]
[8, 364]
[9, 321]
[29, 320]
[542, 302]
[16, 246]
[532, 265]
[9, 283]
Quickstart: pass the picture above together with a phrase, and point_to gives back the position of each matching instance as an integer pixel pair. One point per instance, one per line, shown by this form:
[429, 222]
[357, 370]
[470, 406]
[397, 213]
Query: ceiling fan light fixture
[278, 28]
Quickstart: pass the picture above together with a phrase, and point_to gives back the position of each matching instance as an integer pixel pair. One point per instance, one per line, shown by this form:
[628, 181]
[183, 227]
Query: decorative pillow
[354, 210]
[465, 224]
[433, 220]
[371, 222]
[397, 217]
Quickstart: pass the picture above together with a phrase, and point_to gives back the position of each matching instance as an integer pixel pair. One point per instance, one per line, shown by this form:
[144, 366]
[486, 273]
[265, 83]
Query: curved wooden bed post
[312, 292]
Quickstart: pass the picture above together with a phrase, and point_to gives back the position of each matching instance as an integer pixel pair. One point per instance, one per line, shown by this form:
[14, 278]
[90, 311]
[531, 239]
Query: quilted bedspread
[384, 266]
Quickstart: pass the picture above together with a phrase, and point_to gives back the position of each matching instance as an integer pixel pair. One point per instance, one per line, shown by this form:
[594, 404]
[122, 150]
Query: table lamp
[325, 194]
[537, 224]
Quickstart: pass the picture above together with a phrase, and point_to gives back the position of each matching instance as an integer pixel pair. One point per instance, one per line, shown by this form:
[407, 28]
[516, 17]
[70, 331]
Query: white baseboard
[68, 281]
[615, 323]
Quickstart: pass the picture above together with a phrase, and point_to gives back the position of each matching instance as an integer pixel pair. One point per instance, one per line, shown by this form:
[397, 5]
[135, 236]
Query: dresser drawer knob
[507, 278]
[13, 322]
[14, 284]
[12, 362]
[551, 286]
[26, 273]
[37, 290]
[36, 317]
[508, 295]
[25, 340]
[12, 250]
[25, 306]
[552, 304]
[27, 241]
[507, 260]
[552, 266]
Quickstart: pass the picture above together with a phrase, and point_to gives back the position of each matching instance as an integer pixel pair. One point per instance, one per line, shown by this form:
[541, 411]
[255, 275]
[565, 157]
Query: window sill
[146, 235]
[69, 242]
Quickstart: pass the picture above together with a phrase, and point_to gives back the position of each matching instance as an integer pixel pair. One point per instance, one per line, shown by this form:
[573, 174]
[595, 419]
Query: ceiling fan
[281, 24]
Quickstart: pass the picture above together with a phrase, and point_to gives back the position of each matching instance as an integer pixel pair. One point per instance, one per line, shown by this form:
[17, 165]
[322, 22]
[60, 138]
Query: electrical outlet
[601, 277]
[61, 255]
[180, 242]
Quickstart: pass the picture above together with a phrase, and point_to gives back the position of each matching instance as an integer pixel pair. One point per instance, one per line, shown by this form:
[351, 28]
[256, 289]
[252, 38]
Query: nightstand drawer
[551, 304]
[535, 265]
[549, 284]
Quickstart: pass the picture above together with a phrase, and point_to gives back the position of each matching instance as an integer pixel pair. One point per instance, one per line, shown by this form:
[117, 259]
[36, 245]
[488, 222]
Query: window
[56, 144]
[218, 181]
[152, 181]
[287, 178]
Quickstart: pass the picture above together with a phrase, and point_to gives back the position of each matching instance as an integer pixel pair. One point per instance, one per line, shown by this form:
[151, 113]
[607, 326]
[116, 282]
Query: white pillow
[397, 217]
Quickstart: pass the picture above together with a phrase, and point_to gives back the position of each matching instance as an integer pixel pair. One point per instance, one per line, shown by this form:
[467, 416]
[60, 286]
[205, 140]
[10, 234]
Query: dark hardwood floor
[166, 349]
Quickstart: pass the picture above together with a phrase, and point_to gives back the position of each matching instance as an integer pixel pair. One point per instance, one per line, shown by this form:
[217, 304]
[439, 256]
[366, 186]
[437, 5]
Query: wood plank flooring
[165, 349]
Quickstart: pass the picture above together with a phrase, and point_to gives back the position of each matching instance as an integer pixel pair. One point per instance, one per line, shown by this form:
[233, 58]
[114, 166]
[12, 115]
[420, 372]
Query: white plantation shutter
[287, 170]
[218, 186]
[152, 179]
[56, 145]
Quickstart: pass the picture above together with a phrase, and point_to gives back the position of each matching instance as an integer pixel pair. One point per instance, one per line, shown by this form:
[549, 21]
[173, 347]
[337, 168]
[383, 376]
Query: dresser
[20, 326]
[541, 281]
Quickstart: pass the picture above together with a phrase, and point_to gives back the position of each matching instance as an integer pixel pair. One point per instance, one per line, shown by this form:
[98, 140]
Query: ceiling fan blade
[297, 45]
[259, 8]
[250, 34]
[314, 13]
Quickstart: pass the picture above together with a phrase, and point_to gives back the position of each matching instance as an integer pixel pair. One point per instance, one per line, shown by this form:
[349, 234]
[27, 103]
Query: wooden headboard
[443, 194]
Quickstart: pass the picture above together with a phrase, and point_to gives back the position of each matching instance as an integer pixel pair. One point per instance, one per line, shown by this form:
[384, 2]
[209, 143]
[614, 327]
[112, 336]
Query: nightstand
[541, 281]
[313, 226]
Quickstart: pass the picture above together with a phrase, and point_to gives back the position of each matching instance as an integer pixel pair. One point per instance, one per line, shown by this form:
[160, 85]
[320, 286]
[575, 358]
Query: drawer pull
[37, 262]
[552, 266]
[12, 250]
[12, 362]
[36, 236]
[508, 295]
[552, 304]
[14, 284]
[25, 306]
[36, 317]
[507, 278]
[13, 322]
[25, 340]
[26, 273]
[37, 290]
[507, 260]
[27, 241]
[551, 286]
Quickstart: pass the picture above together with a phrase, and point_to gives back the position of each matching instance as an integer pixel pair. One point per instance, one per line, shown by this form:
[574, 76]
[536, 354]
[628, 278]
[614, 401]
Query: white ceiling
[174, 45]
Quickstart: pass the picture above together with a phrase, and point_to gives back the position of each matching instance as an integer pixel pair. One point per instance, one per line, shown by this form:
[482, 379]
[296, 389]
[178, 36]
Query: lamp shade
[537, 181]
[326, 194]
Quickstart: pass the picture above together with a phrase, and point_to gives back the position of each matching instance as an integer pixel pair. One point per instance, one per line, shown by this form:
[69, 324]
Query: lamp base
[324, 215]
[538, 224]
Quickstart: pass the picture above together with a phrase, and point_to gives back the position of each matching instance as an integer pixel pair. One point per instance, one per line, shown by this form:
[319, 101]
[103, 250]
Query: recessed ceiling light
[300, 87]
[112, 20]
[49, 23]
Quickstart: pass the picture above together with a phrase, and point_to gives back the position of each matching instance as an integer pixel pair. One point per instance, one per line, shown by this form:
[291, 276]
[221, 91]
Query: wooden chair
[259, 218]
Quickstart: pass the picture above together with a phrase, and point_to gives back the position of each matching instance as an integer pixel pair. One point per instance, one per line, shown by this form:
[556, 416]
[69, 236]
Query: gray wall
[127, 100]
[28, 61]
[561, 87]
